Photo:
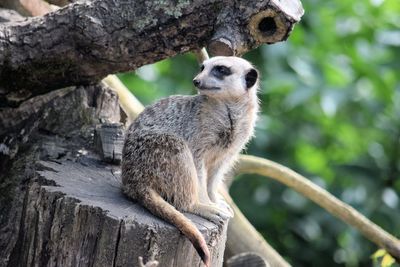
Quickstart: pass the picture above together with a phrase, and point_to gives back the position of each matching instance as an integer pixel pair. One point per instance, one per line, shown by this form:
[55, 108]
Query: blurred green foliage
[331, 111]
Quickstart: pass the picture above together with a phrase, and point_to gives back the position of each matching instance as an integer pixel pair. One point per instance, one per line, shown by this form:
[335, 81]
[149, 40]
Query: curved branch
[128, 102]
[251, 164]
[201, 55]
[85, 41]
[243, 237]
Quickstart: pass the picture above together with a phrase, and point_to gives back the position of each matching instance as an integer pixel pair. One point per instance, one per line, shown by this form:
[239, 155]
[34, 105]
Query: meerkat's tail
[161, 208]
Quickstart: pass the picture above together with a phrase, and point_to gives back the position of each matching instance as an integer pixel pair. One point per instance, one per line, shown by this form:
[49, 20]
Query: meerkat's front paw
[211, 212]
[225, 206]
[221, 204]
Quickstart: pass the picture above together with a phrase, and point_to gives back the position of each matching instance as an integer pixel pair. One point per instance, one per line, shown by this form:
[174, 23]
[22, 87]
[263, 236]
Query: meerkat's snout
[196, 82]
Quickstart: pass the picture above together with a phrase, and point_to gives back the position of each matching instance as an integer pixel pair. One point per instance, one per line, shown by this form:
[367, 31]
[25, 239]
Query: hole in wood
[267, 26]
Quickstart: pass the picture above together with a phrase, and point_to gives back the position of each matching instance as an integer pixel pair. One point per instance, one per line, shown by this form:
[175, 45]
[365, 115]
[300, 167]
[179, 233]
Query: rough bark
[61, 205]
[85, 41]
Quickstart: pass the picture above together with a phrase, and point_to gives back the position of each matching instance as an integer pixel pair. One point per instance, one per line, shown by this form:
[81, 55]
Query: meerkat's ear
[251, 78]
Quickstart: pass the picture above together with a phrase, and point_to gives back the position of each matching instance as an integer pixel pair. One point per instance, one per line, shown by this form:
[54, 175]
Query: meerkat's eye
[201, 67]
[220, 71]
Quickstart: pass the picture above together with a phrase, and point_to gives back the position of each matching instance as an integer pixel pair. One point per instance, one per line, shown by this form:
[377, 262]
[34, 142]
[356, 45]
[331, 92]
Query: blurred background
[331, 111]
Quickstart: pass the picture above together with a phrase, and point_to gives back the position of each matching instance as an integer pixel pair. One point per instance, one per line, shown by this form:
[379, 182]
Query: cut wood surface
[83, 219]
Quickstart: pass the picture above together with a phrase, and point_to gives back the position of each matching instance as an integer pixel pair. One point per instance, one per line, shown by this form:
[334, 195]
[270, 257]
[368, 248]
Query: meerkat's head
[227, 77]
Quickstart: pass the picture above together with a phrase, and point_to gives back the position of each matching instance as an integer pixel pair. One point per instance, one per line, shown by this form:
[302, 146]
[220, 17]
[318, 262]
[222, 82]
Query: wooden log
[83, 42]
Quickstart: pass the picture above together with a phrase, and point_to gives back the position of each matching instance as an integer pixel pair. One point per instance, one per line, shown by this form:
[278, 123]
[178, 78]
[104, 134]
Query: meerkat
[178, 150]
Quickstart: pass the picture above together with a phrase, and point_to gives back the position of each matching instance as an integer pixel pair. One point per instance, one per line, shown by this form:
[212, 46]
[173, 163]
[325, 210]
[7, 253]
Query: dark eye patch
[221, 71]
[201, 67]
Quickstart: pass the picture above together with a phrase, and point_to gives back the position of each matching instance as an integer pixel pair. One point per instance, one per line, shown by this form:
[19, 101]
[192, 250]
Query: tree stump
[61, 204]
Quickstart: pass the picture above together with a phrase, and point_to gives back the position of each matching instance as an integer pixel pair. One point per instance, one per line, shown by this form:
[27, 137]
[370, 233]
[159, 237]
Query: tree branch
[251, 164]
[128, 102]
[243, 237]
[84, 41]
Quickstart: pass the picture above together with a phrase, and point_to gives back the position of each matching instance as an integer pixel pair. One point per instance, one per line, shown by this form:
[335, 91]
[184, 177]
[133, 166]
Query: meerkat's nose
[196, 82]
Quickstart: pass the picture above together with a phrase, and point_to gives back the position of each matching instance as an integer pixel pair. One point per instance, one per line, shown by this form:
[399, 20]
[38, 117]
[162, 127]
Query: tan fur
[178, 150]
